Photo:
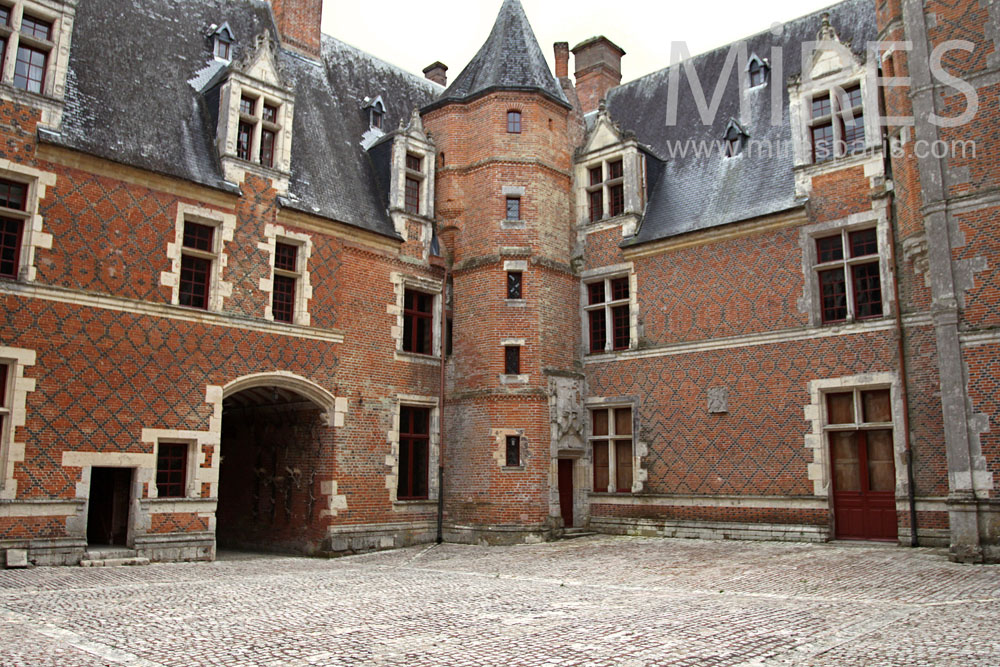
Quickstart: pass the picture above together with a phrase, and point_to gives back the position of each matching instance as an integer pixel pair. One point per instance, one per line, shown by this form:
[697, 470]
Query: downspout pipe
[900, 346]
[441, 403]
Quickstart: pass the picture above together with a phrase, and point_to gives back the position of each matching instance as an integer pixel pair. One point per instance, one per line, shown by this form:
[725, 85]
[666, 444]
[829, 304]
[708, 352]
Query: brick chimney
[562, 59]
[598, 70]
[437, 72]
[298, 23]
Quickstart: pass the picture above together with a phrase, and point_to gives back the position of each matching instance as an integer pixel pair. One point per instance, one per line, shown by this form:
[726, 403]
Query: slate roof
[696, 192]
[163, 124]
[509, 60]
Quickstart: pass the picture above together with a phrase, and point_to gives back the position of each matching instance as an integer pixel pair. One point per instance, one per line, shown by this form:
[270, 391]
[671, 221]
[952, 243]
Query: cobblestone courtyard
[595, 601]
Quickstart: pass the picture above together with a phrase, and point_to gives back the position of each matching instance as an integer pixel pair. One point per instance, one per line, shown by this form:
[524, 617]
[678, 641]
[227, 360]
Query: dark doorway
[864, 483]
[566, 491]
[110, 502]
[274, 444]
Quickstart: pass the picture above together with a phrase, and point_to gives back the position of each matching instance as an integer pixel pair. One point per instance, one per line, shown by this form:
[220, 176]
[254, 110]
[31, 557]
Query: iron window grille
[513, 451]
[515, 285]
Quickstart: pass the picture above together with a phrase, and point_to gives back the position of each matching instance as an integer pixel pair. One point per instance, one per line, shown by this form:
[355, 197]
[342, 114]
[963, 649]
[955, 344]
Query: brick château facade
[263, 290]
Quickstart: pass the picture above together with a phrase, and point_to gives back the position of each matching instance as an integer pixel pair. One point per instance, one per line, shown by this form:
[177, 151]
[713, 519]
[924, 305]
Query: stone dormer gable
[830, 55]
[259, 64]
[604, 133]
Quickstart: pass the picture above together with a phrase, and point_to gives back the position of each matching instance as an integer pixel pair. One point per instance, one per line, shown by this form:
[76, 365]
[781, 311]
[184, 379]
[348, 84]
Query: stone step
[575, 533]
[114, 562]
[104, 553]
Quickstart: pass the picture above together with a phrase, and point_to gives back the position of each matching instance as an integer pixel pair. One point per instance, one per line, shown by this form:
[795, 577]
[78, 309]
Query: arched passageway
[275, 450]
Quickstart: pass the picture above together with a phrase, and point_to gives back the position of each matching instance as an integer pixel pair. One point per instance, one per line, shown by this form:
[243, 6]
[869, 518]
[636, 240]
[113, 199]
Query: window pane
[596, 175]
[833, 293]
[405, 468]
[595, 293]
[622, 333]
[829, 249]
[413, 162]
[821, 106]
[283, 303]
[412, 196]
[615, 170]
[598, 330]
[846, 467]
[29, 70]
[514, 122]
[616, 205]
[267, 148]
[854, 134]
[756, 74]
[596, 199]
[198, 237]
[423, 335]
[623, 466]
[623, 421]
[876, 407]
[171, 464]
[285, 255]
[512, 360]
[10, 246]
[514, 285]
[823, 148]
[601, 467]
[12, 195]
[840, 408]
[5, 15]
[599, 422]
[419, 462]
[3, 385]
[852, 98]
[195, 277]
[513, 208]
[881, 469]
[36, 27]
[247, 105]
[270, 114]
[863, 243]
[867, 290]
[513, 450]
[619, 289]
[244, 141]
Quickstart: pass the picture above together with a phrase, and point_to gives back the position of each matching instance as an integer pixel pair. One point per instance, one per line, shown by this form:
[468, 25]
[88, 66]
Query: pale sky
[412, 34]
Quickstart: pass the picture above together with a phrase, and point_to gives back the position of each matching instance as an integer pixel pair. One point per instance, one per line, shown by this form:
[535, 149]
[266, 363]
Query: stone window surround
[515, 192]
[520, 378]
[407, 144]
[61, 15]
[33, 237]
[275, 234]
[195, 475]
[433, 450]
[831, 83]
[606, 273]
[816, 439]
[639, 449]
[224, 224]
[401, 283]
[811, 300]
[18, 387]
[499, 436]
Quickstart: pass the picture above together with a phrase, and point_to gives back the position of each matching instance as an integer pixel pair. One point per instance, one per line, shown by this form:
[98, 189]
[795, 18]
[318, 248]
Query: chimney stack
[562, 59]
[437, 72]
[598, 70]
[298, 23]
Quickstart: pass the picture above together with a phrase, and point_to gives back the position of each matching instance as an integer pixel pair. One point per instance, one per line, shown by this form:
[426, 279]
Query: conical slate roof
[509, 60]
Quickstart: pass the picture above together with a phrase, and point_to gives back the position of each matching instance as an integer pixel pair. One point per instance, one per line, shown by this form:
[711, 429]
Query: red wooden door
[566, 491]
[864, 485]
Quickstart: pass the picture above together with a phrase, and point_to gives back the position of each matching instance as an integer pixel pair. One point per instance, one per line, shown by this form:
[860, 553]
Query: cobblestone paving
[595, 601]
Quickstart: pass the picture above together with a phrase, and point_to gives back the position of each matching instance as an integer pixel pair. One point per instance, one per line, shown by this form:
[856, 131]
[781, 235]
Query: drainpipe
[441, 401]
[900, 347]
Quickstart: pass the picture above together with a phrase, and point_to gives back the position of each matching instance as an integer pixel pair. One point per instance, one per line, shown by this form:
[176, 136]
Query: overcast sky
[412, 35]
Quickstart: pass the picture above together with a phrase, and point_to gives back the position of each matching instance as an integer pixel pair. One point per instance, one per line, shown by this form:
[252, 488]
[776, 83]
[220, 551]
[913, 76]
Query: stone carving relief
[566, 412]
[718, 400]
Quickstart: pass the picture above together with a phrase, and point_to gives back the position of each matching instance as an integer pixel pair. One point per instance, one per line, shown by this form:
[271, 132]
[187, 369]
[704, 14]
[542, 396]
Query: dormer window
[837, 123]
[257, 134]
[376, 113]
[734, 140]
[757, 71]
[610, 190]
[223, 47]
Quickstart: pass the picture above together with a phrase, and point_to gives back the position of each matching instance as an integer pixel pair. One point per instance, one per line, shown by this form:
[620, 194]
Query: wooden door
[864, 485]
[566, 491]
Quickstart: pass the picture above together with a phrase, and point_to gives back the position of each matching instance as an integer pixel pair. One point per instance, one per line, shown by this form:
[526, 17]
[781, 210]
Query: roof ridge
[325, 38]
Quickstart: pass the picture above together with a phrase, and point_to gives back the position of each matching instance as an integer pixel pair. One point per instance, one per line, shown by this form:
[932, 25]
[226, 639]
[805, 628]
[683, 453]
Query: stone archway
[276, 448]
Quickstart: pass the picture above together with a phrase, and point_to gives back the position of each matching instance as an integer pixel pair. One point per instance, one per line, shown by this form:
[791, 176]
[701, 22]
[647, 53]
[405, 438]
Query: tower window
[513, 451]
[512, 360]
[514, 122]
